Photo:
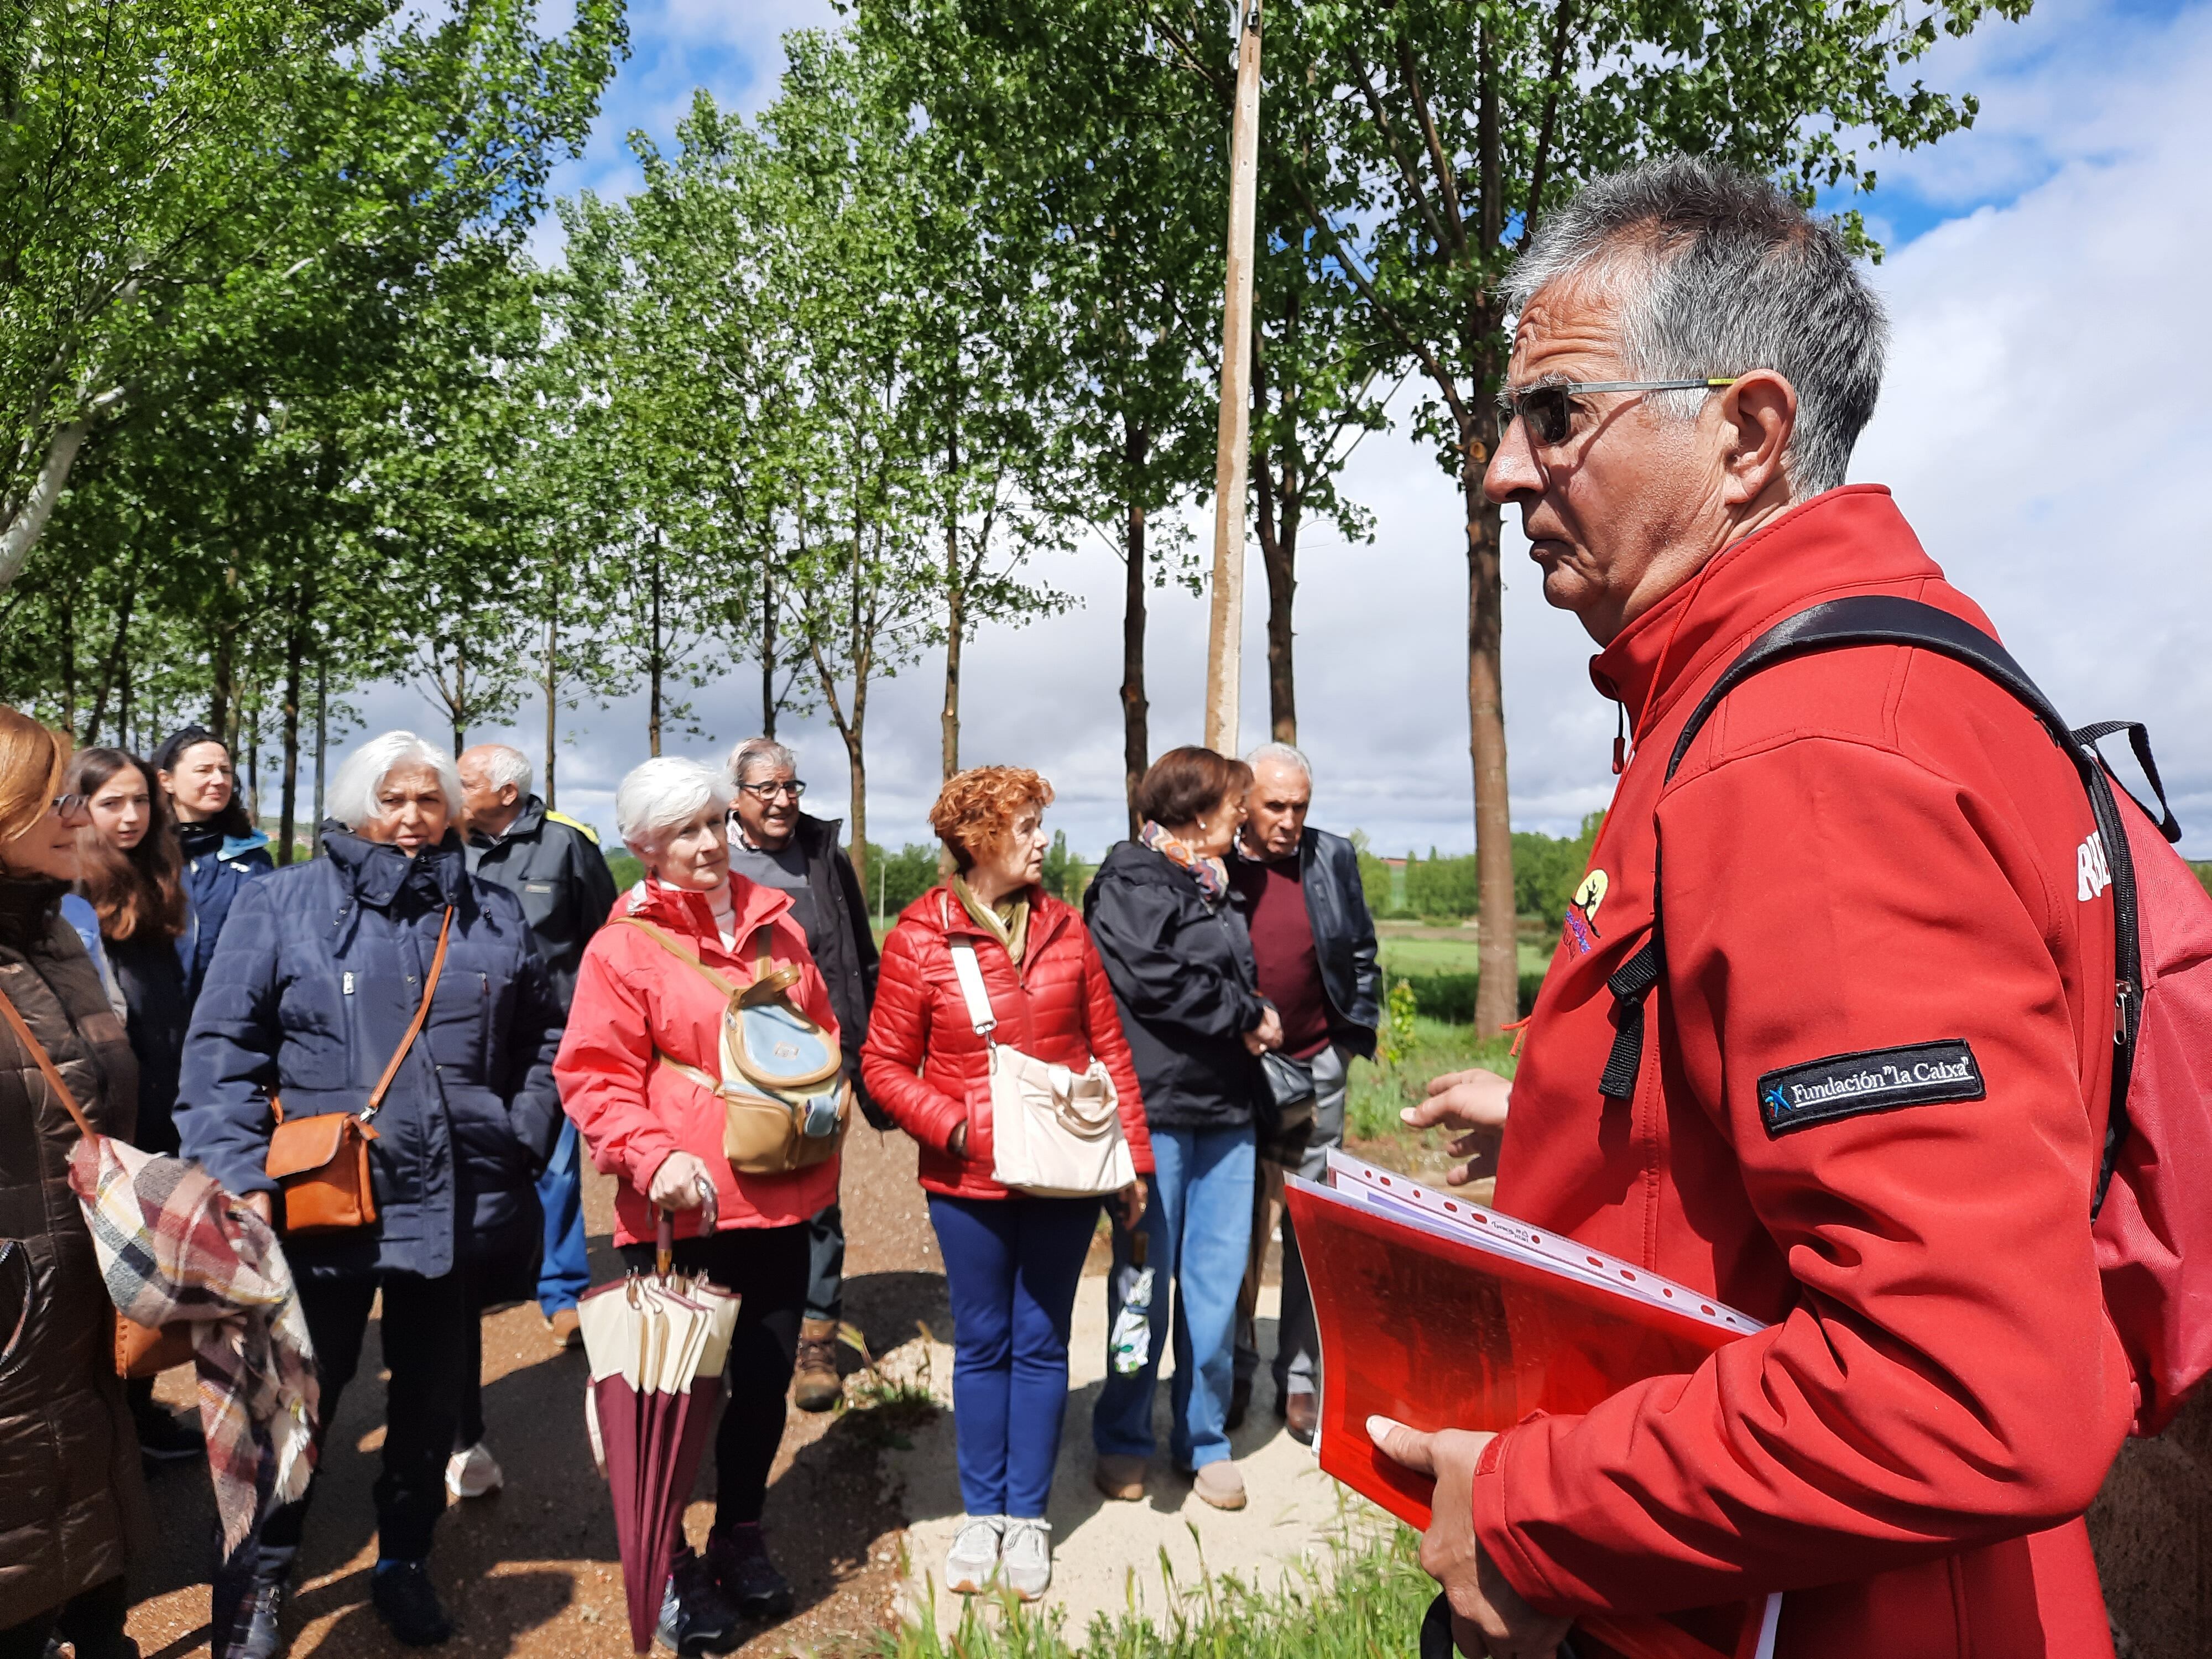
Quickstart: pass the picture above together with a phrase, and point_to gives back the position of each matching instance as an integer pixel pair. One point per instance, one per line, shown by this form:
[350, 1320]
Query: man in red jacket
[1871, 1095]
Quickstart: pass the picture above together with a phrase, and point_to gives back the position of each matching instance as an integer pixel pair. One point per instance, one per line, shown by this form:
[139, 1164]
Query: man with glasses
[777, 845]
[1842, 1057]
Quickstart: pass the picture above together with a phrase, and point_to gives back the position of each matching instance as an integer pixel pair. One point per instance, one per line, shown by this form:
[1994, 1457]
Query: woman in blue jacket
[221, 849]
[318, 974]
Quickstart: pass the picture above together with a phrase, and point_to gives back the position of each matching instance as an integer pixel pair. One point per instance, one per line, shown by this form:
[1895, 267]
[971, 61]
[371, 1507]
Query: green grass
[1377, 1091]
[1363, 1599]
[1422, 954]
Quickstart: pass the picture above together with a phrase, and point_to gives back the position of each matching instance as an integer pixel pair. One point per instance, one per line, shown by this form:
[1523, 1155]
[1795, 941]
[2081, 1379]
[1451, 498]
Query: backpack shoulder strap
[1891, 619]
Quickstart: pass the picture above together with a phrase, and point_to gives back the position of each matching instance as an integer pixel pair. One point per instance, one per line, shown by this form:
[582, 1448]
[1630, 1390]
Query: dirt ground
[533, 1572]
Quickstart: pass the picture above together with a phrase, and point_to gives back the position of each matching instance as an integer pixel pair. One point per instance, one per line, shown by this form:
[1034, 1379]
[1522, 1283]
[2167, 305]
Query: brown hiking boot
[815, 1384]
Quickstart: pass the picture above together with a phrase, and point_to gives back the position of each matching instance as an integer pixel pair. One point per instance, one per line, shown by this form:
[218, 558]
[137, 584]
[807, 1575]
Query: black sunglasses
[1548, 407]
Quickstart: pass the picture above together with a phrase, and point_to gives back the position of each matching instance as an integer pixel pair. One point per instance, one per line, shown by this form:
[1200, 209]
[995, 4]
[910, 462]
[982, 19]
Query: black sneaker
[738, 1557]
[164, 1437]
[695, 1617]
[406, 1601]
[248, 1622]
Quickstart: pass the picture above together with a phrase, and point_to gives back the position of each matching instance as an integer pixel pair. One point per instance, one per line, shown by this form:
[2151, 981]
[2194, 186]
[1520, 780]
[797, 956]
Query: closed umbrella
[656, 1343]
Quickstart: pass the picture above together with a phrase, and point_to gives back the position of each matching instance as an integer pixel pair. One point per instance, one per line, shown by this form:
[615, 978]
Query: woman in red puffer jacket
[1011, 1260]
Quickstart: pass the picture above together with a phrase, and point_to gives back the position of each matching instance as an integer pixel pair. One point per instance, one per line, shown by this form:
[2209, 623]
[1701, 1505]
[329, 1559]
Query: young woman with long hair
[221, 849]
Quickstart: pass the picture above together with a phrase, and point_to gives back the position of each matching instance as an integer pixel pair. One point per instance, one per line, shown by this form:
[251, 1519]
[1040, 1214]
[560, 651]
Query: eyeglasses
[67, 806]
[1549, 408]
[793, 787]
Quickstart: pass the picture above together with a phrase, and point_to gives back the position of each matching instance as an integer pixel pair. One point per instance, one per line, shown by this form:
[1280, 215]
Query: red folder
[1441, 1313]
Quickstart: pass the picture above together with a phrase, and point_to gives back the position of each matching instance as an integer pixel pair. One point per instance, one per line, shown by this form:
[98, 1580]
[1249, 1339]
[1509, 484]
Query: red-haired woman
[1011, 1260]
[129, 868]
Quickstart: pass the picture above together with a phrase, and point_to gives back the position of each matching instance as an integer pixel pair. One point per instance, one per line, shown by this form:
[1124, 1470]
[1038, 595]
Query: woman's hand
[957, 1145]
[261, 1204]
[1268, 1034]
[1131, 1198]
[1475, 1101]
[675, 1183]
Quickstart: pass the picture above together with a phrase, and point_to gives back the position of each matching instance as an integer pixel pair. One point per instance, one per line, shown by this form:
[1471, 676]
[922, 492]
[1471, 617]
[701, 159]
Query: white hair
[353, 792]
[1284, 753]
[663, 794]
[763, 752]
[504, 764]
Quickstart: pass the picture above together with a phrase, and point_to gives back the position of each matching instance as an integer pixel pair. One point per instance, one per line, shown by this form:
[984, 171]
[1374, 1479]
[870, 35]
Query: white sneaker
[1025, 1558]
[973, 1561]
[474, 1473]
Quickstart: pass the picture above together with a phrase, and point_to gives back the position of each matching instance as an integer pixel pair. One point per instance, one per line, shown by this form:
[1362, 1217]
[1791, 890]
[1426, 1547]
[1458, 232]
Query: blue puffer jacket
[318, 974]
[217, 865]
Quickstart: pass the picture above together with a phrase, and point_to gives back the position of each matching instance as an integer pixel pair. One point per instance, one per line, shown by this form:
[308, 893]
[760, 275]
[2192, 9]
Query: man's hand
[1268, 1034]
[1475, 1101]
[674, 1182]
[1490, 1618]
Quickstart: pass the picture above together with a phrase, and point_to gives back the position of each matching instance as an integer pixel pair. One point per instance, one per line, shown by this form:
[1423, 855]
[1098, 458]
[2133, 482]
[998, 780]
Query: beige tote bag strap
[683, 952]
[414, 1026]
[969, 972]
[47, 1069]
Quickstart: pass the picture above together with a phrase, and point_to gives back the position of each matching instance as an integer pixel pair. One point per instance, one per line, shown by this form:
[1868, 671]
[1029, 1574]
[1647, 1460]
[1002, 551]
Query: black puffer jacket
[1182, 975]
[69, 1492]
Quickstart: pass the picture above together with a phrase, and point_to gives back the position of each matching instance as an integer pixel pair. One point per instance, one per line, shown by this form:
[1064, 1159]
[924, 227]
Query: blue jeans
[565, 1273]
[1012, 1266]
[1198, 1225]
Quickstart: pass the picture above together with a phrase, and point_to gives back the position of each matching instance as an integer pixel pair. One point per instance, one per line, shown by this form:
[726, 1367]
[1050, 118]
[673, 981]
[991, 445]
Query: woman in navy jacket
[221, 848]
[319, 972]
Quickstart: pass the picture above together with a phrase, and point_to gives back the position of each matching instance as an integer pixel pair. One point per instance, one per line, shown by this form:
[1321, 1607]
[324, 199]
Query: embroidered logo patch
[1876, 1080]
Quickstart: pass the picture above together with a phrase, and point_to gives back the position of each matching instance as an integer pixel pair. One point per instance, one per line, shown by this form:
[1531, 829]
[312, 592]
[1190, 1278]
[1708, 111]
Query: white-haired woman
[637, 1071]
[313, 991]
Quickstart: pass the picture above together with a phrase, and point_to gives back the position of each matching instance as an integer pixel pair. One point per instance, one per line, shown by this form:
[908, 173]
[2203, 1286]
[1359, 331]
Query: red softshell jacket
[924, 1063]
[636, 1002]
[1864, 851]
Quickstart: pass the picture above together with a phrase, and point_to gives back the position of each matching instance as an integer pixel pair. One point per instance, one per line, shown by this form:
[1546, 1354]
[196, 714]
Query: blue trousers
[1198, 1228]
[565, 1272]
[1012, 1266]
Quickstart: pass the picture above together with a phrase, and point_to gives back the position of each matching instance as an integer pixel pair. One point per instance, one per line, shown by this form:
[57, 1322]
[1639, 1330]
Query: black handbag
[1285, 1119]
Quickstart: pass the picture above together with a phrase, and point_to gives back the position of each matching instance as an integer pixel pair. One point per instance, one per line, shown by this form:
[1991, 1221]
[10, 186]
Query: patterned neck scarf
[1211, 874]
[1007, 922]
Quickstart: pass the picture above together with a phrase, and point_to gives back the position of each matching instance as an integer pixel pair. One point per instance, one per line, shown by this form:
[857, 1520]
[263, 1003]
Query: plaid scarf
[173, 1246]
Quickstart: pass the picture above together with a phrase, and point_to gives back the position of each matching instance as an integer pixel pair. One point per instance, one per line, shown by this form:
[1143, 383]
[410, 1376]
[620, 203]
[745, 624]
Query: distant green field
[1452, 955]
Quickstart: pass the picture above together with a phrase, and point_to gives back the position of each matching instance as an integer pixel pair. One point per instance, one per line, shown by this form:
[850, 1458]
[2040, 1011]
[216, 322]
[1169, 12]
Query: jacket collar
[1848, 537]
[28, 905]
[689, 914]
[376, 872]
[941, 913]
[199, 839]
[529, 819]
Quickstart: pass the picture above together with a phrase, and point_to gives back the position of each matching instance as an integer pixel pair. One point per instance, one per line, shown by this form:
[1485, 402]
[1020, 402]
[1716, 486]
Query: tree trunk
[219, 696]
[1498, 993]
[769, 699]
[458, 706]
[1136, 741]
[652, 657]
[956, 620]
[69, 659]
[552, 684]
[856, 761]
[1279, 552]
[295, 663]
[252, 732]
[322, 742]
[116, 670]
[28, 521]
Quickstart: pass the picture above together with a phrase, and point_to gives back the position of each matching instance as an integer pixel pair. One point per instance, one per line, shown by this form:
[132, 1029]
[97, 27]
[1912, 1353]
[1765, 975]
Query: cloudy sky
[2046, 426]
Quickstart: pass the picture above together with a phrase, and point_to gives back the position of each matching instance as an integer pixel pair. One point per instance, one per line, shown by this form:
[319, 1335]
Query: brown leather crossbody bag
[320, 1163]
[140, 1349]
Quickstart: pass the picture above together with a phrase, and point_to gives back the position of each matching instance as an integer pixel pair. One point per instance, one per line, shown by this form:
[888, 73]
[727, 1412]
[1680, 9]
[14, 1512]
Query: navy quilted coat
[318, 970]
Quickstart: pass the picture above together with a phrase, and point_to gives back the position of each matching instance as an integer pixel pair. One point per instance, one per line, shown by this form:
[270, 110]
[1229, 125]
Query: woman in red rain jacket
[1011, 1260]
[645, 1027]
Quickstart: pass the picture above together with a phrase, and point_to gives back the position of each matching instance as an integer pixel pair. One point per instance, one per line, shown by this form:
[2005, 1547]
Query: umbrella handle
[710, 1211]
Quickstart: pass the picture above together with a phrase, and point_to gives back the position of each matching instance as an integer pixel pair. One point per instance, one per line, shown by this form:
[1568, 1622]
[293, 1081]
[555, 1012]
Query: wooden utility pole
[1225, 649]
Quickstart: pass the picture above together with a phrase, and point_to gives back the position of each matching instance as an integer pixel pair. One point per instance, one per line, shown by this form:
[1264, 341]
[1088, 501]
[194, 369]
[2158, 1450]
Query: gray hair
[1717, 272]
[1283, 753]
[764, 753]
[504, 764]
[353, 792]
[664, 793]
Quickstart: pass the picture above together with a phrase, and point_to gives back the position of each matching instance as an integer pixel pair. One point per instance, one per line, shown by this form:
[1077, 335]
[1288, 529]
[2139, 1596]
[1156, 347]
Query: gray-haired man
[1313, 942]
[779, 846]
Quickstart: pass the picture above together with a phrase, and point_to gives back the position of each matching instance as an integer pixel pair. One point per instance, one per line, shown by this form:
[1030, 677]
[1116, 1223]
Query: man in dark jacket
[554, 865]
[1312, 944]
[776, 845]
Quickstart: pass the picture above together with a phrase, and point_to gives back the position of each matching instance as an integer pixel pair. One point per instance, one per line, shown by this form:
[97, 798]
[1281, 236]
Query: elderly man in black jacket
[1313, 943]
[776, 845]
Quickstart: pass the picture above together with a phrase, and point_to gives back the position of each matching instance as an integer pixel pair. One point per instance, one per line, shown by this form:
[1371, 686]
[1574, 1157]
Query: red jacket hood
[1841, 539]
[683, 912]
